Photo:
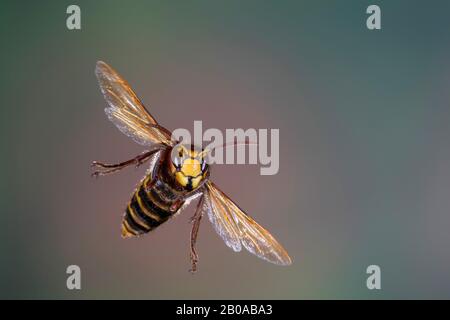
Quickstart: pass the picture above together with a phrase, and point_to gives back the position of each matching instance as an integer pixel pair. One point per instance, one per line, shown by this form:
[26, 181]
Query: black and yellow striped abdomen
[153, 203]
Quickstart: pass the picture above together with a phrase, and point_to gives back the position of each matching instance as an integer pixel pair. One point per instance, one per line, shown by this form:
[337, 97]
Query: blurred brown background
[363, 118]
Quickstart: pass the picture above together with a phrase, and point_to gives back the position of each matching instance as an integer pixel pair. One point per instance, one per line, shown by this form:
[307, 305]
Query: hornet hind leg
[195, 220]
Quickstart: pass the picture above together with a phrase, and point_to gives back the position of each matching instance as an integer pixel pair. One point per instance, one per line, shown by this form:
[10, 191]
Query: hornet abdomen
[152, 204]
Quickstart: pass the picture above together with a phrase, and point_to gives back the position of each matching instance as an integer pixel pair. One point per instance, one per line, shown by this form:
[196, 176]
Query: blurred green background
[364, 126]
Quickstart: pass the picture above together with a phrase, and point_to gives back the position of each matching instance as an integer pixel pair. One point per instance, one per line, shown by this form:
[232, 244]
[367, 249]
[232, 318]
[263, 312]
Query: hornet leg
[111, 168]
[195, 220]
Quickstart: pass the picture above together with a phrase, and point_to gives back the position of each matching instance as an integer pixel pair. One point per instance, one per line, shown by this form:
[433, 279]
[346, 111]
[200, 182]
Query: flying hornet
[178, 174]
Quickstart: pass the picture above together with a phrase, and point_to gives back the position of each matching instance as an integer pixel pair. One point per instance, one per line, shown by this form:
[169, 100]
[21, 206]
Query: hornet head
[188, 165]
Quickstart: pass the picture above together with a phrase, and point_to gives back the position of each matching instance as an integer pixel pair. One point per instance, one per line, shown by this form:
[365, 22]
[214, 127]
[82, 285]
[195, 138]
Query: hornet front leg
[111, 168]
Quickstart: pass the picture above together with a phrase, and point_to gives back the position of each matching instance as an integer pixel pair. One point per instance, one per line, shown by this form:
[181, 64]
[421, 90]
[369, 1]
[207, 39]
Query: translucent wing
[222, 221]
[236, 228]
[126, 111]
[154, 159]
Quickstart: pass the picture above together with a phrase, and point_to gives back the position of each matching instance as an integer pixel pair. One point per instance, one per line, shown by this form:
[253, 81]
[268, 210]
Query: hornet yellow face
[188, 166]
